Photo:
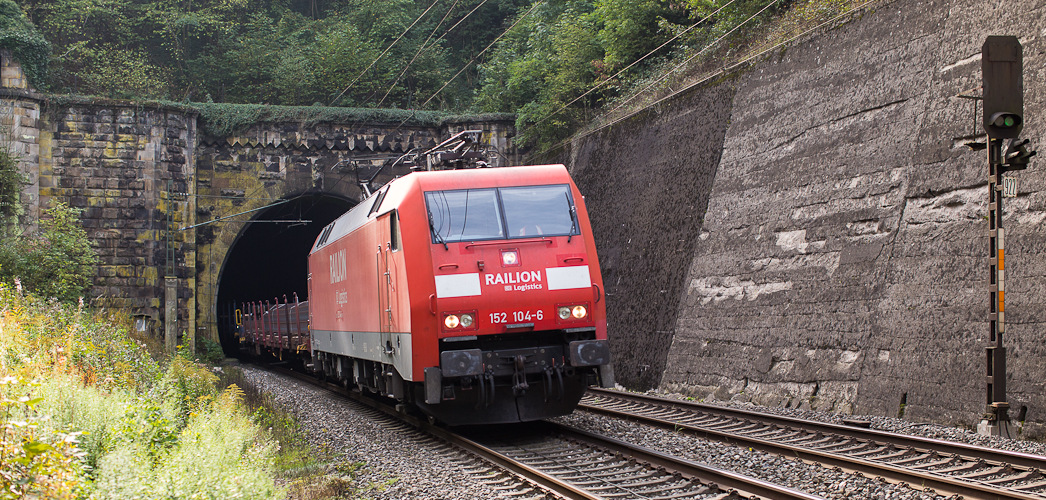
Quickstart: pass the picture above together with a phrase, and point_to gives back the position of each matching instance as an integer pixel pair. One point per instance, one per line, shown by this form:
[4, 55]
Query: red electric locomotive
[474, 294]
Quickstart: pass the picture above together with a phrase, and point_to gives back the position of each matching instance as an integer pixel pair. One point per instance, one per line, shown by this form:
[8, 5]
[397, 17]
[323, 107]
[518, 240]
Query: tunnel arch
[268, 258]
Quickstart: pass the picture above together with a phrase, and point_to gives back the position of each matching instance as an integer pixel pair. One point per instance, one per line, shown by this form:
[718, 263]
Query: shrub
[209, 351]
[37, 337]
[189, 386]
[218, 454]
[11, 181]
[58, 262]
[37, 460]
[105, 421]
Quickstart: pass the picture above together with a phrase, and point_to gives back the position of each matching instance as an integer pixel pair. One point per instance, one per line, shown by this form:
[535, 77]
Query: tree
[629, 29]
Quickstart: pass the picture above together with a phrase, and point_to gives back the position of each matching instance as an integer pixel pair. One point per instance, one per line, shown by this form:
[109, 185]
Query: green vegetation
[55, 262]
[563, 63]
[280, 52]
[24, 41]
[222, 119]
[87, 411]
[570, 62]
[11, 181]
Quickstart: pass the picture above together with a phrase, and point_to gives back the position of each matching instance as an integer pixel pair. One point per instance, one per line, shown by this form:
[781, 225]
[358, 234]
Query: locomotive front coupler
[519, 375]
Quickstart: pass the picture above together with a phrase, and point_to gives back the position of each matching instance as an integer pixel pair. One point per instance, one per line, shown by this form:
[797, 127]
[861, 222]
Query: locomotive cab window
[394, 230]
[538, 211]
[464, 215]
[501, 213]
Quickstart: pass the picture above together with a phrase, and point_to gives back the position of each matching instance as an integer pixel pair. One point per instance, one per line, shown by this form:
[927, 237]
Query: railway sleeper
[1021, 477]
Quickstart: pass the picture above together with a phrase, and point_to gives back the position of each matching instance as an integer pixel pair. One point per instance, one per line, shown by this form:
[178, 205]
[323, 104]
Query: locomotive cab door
[393, 307]
[387, 254]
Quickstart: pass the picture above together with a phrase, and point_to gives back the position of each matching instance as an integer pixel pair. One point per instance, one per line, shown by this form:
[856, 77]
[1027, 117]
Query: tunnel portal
[269, 258]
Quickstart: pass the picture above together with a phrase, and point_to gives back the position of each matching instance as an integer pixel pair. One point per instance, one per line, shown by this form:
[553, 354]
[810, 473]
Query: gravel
[888, 424]
[401, 463]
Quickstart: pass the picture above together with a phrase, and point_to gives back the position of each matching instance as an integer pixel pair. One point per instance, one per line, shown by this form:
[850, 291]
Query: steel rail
[723, 479]
[746, 486]
[1028, 460]
[941, 484]
[525, 473]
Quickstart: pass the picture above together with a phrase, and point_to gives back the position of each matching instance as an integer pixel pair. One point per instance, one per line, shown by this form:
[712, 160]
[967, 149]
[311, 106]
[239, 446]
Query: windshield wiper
[439, 238]
[573, 217]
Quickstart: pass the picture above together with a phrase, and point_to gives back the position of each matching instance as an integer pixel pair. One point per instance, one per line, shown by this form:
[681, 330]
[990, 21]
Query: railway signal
[1002, 63]
[1017, 155]
[1003, 118]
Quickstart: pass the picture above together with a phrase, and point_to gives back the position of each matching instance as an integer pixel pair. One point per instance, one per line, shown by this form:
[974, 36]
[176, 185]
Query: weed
[37, 460]
[209, 351]
[106, 420]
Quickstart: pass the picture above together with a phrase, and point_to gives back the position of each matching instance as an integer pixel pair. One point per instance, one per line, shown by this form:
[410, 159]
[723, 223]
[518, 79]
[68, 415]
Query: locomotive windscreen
[501, 213]
[465, 215]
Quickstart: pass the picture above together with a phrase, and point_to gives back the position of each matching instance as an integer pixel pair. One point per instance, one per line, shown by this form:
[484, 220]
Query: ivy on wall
[24, 41]
[225, 119]
[11, 182]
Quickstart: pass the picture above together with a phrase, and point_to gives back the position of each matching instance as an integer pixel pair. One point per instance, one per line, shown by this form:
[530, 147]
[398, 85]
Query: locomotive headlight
[466, 321]
[579, 312]
[509, 257]
[564, 312]
[452, 321]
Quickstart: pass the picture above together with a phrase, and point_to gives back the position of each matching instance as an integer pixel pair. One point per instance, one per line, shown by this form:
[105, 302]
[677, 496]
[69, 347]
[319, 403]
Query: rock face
[828, 248]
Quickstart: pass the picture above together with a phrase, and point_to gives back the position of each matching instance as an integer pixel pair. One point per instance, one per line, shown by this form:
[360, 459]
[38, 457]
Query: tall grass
[87, 412]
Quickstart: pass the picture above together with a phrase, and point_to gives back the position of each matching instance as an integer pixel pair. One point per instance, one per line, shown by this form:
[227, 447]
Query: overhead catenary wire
[401, 123]
[417, 54]
[445, 33]
[280, 202]
[761, 52]
[466, 66]
[441, 37]
[376, 59]
[633, 63]
[420, 16]
[666, 74]
[691, 58]
[715, 74]
[532, 7]
[474, 9]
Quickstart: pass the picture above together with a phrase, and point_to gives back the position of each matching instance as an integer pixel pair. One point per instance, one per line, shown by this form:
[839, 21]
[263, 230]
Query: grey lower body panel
[393, 348]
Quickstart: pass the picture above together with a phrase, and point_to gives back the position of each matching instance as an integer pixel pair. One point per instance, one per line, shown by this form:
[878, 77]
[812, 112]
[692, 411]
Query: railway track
[948, 468]
[592, 466]
[550, 460]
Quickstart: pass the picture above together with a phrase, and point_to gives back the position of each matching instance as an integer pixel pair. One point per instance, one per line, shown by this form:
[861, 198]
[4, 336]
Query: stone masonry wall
[20, 129]
[274, 162]
[279, 161]
[129, 167]
[139, 172]
[843, 257]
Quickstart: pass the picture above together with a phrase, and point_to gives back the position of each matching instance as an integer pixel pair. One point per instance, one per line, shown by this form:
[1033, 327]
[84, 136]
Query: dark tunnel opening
[269, 258]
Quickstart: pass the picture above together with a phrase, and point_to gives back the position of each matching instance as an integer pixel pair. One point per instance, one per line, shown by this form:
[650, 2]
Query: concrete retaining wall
[843, 256]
